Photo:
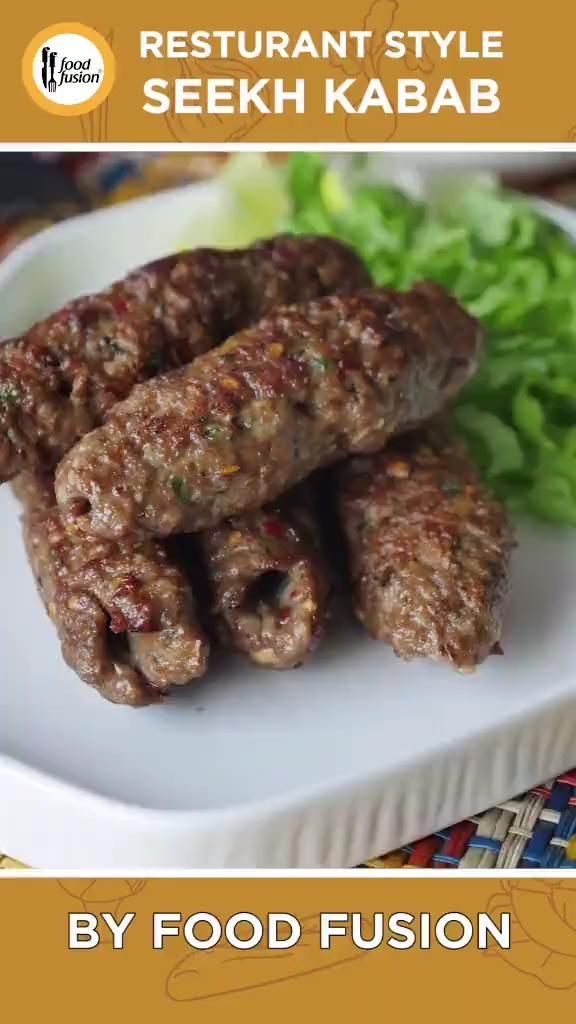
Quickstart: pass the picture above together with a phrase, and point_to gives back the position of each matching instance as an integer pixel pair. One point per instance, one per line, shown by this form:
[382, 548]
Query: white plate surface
[350, 756]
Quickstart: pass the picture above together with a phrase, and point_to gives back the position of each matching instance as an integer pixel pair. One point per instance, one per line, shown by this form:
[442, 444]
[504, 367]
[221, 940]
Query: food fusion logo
[70, 72]
[68, 69]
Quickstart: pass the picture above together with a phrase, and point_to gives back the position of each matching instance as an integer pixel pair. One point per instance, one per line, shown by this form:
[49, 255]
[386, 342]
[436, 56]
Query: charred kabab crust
[60, 379]
[429, 551]
[124, 613]
[305, 387]
[268, 582]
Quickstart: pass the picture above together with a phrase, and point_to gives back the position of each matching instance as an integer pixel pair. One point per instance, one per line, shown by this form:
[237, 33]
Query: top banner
[390, 71]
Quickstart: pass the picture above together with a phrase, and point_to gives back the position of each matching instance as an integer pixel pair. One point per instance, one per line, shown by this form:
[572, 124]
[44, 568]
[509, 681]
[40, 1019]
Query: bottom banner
[295, 948]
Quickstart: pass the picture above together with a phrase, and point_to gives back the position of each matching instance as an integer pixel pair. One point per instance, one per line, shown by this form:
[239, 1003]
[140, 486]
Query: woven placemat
[535, 830]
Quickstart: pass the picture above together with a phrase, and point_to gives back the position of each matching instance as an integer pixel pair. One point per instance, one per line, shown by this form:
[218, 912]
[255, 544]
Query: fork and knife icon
[48, 61]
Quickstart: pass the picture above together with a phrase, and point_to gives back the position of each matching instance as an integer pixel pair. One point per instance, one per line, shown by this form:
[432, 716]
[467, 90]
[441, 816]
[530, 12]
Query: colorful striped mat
[535, 830]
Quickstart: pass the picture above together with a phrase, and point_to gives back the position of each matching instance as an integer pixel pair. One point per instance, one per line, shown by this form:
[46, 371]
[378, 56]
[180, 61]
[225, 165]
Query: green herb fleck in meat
[320, 364]
[180, 489]
[451, 486]
[212, 431]
[154, 362]
[9, 395]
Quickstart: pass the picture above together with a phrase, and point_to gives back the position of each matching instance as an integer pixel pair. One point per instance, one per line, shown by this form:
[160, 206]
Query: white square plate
[352, 755]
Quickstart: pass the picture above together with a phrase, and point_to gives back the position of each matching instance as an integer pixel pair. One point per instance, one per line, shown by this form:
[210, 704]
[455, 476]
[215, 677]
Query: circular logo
[68, 69]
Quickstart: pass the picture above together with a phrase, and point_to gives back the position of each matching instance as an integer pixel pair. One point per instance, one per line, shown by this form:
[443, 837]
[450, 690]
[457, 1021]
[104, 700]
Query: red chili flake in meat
[274, 528]
[64, 316]
[120, 306]
[137, 614]
[15, 361]
[283, 615]
[118, 622]
[141, 621]
[348, 361]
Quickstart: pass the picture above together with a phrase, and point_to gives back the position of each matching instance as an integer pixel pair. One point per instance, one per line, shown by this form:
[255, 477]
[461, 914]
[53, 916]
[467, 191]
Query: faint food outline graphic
[224, 971]
[102, 895]
[543, 928]
[225, 128]
[94, 126]
[379, 19]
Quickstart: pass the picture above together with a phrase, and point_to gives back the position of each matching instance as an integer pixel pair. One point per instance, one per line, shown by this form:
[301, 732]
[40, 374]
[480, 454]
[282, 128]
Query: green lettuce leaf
[509, 266]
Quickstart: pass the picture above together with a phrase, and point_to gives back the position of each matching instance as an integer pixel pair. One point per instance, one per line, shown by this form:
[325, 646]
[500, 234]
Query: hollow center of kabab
[79, 507]
[265, 593]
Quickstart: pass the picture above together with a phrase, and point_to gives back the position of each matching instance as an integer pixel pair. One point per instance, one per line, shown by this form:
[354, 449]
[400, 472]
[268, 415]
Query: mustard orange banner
[380, 71]
[288, 948]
